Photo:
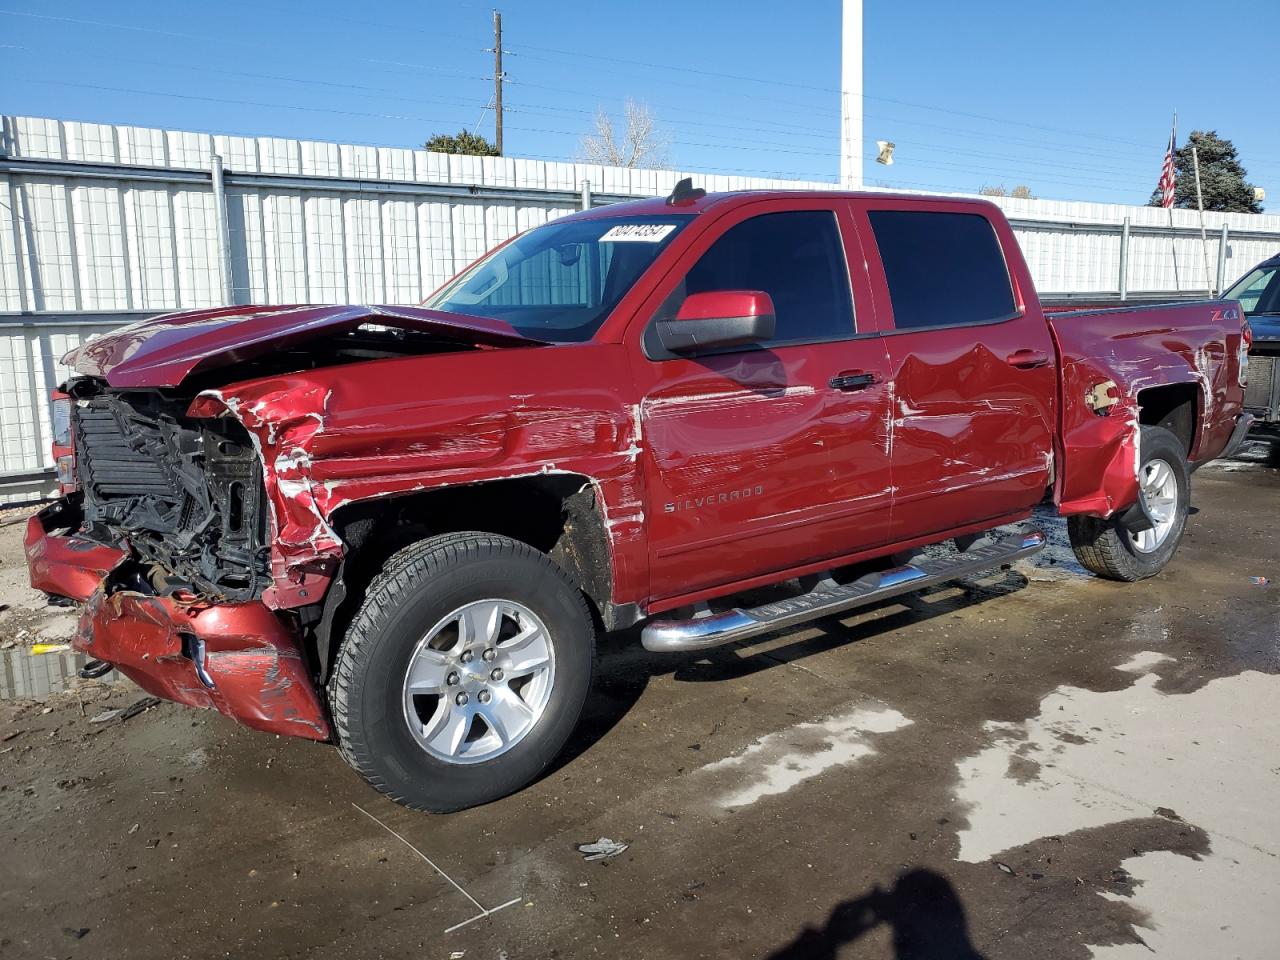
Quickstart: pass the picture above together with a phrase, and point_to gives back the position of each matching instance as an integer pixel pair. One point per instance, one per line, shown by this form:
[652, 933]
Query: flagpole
[1204, 237]
[1173, 239]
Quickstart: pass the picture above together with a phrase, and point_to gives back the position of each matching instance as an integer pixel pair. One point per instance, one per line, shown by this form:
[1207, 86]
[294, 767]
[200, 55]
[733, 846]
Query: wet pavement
[1031, 763]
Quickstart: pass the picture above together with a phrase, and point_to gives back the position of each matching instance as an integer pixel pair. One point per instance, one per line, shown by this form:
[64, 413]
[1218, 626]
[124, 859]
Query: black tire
[417, 587]
[1107, 548]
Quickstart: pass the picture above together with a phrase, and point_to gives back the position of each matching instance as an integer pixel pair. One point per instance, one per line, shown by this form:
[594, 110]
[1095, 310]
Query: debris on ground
[38, 649]
[139, 706]
[1006, 868]
[75, 933]
[1259, 581]
[602, 849]
[127, 713]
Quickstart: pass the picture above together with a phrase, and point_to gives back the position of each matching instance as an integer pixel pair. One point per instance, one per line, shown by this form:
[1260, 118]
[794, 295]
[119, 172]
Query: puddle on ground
[779, 761]
[24, 675]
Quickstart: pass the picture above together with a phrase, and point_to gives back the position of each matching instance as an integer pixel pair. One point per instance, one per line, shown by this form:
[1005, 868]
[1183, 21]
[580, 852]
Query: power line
[219, 40]
[400, 117]
[416, 66]
[724, 142]
[821, 89]
[380, 93]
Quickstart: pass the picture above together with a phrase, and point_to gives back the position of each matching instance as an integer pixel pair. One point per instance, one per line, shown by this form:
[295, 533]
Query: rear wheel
[1109, 548]
[464, 672]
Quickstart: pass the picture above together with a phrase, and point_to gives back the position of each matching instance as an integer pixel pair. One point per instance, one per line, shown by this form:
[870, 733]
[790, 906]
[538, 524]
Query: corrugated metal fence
[102, 224]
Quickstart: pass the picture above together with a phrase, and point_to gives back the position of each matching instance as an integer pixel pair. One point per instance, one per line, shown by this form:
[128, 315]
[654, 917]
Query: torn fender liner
[238, 658]
[163, 351]
[65, 566]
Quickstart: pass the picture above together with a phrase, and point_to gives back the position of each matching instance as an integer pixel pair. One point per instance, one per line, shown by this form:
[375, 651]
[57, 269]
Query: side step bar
[701, 633]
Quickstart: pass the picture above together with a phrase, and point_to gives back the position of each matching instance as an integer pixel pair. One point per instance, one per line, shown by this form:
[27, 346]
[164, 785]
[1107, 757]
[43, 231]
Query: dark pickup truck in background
[402, 528]
[1258, 293]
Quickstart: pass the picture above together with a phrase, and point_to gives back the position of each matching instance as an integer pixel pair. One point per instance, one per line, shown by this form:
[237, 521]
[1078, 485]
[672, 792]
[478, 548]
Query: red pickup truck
[402, 528]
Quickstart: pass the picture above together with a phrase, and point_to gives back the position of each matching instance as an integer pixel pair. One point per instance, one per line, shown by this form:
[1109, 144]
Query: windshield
[559, 282]
[1259, 292]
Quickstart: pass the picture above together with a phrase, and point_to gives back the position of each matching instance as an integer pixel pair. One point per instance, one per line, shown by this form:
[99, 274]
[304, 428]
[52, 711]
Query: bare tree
[641, 144]
[1020, 192]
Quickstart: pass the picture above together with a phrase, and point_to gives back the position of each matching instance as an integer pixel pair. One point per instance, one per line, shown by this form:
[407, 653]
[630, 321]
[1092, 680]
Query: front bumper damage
[241, 659]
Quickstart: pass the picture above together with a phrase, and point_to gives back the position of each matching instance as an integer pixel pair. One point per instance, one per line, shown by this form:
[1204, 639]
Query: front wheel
[1110, 549]
[464, 672]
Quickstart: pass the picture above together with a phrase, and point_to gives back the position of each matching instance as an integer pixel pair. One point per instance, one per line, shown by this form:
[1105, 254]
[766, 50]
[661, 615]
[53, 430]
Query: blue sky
[1073, 99]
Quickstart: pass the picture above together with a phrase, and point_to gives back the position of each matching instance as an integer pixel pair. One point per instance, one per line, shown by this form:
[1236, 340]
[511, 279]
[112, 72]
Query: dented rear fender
[1108, 358]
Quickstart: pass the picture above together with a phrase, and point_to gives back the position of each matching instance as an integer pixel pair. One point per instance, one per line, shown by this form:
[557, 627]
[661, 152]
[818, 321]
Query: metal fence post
[586, 194]
[1222, 260]
[224, 234]
[1124, 261]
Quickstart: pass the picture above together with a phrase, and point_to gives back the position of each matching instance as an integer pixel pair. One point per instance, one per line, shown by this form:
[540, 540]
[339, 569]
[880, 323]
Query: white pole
[222, 229]
[1173, 234]
[1204, 237]
[851, 96]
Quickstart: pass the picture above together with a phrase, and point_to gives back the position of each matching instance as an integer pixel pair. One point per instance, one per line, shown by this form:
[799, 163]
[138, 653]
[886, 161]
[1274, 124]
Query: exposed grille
[112, 456]
[187, 495]
[1260, 393]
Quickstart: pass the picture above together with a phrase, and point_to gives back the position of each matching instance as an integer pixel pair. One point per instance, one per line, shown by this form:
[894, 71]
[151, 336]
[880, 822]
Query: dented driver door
[768, 457]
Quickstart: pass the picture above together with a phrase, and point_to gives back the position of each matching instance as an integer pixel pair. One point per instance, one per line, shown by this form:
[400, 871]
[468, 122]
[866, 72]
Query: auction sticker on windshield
[641, 232]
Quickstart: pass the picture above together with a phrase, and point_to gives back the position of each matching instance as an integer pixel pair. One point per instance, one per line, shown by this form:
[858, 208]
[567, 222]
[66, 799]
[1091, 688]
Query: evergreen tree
[463, 141]
[1222, 177]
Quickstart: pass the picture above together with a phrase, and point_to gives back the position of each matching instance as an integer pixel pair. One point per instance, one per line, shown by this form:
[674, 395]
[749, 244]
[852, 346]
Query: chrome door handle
[1027, 359]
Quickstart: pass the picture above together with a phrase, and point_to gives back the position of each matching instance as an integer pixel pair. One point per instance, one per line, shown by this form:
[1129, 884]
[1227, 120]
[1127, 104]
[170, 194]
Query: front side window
[944, 269]
[1259, 292]
[558, 282]
[796, 257]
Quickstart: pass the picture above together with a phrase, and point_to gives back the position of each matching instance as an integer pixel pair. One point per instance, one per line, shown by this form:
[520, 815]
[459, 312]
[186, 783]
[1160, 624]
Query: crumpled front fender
[282, 416]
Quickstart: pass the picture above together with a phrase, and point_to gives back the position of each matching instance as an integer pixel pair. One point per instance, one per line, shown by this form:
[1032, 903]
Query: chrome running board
[700, 633]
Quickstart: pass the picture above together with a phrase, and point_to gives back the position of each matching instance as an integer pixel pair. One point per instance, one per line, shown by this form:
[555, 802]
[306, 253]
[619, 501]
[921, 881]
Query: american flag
[1166, 184]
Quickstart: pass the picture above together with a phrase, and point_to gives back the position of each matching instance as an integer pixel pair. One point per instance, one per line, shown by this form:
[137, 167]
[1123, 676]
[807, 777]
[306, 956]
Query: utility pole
[1204, 237]
[497, 80]
[851, 96]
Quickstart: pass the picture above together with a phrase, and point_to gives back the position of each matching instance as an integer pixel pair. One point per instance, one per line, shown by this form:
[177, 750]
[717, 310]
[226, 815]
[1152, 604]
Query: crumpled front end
[237, 658]
[241, 659]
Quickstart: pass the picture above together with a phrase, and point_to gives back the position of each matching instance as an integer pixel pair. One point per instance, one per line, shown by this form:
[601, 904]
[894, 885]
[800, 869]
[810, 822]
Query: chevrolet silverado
[401, 529]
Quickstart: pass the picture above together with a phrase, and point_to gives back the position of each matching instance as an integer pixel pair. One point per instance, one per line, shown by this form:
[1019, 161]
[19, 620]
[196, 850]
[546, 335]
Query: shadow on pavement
[922, 910]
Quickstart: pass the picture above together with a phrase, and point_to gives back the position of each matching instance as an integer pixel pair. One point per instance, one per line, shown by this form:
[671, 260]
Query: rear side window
[1259, 292]
[944, 269]
[797, 258]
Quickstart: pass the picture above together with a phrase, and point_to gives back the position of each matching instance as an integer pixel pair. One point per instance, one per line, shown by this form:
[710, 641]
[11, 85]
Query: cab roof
[658, 206]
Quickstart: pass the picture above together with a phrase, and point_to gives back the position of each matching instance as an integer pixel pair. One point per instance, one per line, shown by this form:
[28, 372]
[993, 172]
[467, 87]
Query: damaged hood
[163, 351]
